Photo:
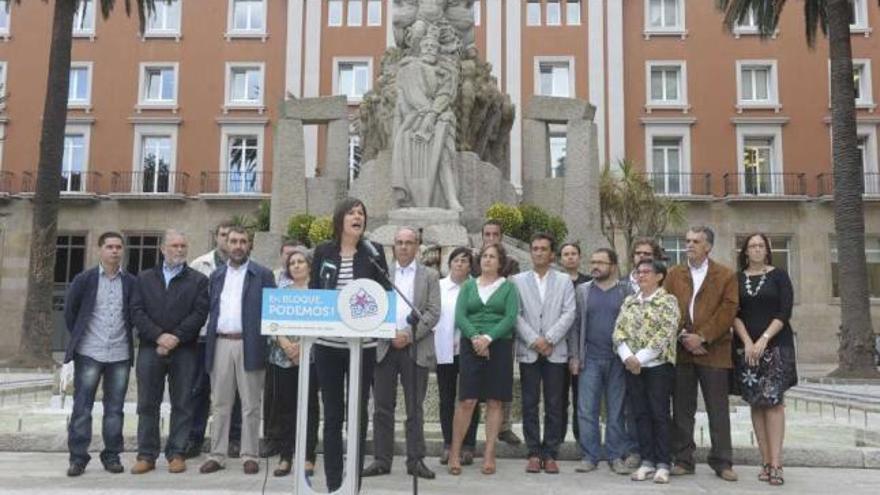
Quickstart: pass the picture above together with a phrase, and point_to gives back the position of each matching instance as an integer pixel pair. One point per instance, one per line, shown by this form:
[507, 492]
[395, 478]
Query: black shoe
[234, 449]
[76, 469]
[113, 466]
[192, 450]
[375, 469]
[419, 469]
[269, 448]
[509, 437]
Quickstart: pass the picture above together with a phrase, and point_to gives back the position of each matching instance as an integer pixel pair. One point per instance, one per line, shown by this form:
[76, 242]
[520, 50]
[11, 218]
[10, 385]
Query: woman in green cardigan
[486, 315]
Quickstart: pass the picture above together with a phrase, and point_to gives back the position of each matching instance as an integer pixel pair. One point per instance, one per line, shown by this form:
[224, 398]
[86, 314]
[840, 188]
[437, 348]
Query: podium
[363, 309]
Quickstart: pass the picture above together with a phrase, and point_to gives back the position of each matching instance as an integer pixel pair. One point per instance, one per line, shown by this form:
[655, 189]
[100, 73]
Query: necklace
[760, 283]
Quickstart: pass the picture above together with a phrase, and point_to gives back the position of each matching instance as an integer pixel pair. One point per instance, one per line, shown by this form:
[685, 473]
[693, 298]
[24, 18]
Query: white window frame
[860, 24]
[231, 32]
[871, 166]
[561, 15]
[5, 31]
[229, 131]
[4, 69]
[761, 131]
[87, 103]
[556, 131]
[555, 60]
[529, 21]
[477, 10]
[682, 132]
[677, 30]
[341, 19]
[348, 5]
[682, 102]
[143, 102]
[166, 33]
[580, 11]
[377, 3]
[229, 103]
[90, 32]
[337, 61]
[866, 86]
[86, 131]
[772, 101]
[153, 130]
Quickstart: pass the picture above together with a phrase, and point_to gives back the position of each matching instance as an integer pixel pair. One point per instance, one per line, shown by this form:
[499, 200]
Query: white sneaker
[642, 473]
[661, 476]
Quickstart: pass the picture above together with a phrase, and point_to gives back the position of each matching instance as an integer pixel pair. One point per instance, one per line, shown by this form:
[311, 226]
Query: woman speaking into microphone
[337, 262]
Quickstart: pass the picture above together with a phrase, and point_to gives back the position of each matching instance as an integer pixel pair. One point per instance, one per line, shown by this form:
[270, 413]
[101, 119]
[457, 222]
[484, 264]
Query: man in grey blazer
[414, 341]
[547, 310]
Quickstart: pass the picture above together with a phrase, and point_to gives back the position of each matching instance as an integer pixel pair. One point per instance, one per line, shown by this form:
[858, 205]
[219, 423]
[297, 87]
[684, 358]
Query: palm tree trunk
[856, 333]
[38, 321]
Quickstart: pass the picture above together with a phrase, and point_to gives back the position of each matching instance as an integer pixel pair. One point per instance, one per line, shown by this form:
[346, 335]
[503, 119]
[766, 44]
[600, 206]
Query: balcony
[752, 186]
[7, 180]
[235, 185]
[149, 184]
[681, 186]
[74, 184]
[825, 185]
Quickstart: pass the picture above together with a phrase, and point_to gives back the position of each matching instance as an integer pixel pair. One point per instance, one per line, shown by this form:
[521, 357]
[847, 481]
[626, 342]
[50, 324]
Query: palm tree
[855, 354]
[37, 323]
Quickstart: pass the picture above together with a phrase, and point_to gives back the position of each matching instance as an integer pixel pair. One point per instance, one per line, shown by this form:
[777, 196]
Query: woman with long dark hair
[336, 263]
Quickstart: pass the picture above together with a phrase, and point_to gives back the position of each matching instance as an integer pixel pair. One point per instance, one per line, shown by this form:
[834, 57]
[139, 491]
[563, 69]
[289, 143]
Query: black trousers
[332, 366]
[571, 382]
[447, 386]
[280, 410]
[551, 377]
[649, 394]
[414, 379]
[714, 384]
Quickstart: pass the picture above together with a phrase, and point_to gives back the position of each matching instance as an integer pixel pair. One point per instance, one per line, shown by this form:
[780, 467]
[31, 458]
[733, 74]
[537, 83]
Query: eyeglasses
[645, 272]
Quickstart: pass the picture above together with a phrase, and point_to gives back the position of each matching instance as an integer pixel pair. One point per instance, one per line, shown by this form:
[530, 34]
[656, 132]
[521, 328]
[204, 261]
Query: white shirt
[446, 335]
[229, 319]
[634, 281]
[698, 275]
[647, 357]
[541, 282]
[404, 279]
[487, 291]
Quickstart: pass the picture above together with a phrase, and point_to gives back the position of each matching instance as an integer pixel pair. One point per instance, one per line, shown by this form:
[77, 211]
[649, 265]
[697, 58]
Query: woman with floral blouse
[645, 338]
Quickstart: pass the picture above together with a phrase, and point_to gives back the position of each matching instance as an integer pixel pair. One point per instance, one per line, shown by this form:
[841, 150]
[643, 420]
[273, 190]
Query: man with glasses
[601, 374]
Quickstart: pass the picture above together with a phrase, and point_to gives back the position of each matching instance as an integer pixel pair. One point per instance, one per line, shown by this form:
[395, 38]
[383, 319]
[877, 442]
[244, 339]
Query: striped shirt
[346, 275]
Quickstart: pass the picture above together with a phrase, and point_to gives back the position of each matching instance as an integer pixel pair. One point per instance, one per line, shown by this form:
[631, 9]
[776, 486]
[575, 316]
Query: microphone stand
[412, 352]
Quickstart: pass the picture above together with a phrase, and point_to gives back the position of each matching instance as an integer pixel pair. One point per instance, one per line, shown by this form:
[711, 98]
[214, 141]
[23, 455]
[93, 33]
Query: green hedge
[510, 217]
[521, 222]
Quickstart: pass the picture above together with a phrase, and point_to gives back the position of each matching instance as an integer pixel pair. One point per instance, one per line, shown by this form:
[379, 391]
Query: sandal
[776, 478]
[488, 469]
[454, 470]
[764, 474]
[283, 468]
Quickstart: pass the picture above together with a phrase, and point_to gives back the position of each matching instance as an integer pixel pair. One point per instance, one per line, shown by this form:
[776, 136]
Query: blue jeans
[602, 378]
[87, 373]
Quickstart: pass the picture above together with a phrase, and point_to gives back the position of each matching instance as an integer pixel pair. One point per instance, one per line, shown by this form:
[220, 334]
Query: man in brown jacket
[708, 297]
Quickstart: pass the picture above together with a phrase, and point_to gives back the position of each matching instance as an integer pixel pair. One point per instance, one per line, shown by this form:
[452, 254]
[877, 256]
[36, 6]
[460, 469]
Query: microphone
[371, 249]
[328, 272]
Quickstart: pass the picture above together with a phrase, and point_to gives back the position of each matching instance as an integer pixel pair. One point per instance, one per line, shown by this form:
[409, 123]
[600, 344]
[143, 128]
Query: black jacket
[180, 310]
[327, 260]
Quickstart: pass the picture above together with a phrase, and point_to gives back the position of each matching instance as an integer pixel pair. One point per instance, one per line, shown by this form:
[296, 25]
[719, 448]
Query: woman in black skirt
[764, 353]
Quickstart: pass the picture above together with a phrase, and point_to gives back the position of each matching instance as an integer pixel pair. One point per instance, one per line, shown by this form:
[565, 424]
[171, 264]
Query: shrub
[298, 228]
[320, 230]
[510, 217]
[535, 219]
[261, 220]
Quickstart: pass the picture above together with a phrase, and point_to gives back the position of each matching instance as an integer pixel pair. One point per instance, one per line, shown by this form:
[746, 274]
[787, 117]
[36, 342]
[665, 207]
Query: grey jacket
[551, 319]
[426, 297]
[578, 334]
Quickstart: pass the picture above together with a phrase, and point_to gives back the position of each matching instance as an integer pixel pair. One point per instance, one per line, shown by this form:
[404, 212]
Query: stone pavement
[44, 473]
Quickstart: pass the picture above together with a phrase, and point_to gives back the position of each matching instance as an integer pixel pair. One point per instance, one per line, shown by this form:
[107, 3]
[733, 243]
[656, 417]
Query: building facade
[174, 128]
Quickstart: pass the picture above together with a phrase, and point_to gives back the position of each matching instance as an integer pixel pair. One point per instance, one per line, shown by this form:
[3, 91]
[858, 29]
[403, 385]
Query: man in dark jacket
[97, 315]
[169, 306]
[236, 350]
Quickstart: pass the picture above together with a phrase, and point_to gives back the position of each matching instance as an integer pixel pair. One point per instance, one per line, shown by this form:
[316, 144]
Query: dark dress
[763, 385]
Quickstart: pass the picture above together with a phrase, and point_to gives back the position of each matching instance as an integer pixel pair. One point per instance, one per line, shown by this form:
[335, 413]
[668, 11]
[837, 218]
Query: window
[70, 260]
[248, 17]
[143, 252]
[872, 253]
[554, 13]
[862, 83]
[2, 82]
[80, 87]
[675, 250]
[664, 15]
[242, 164]
[757, 84]
[244, 87]
[374, 12]
[4, 17]
[554, 78]
[155, 165]
[667, 83]
[354, 157]
[533, 13]
[165, 19]
[355, 13]
[867, 146]
[666, 166]
[758, 166]
[477, 10]
[557, 150]
[73, 164]
[84, 18]
[353, 79]
[859, 22]
[158, 85]
[573, 12]
[334, 13]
